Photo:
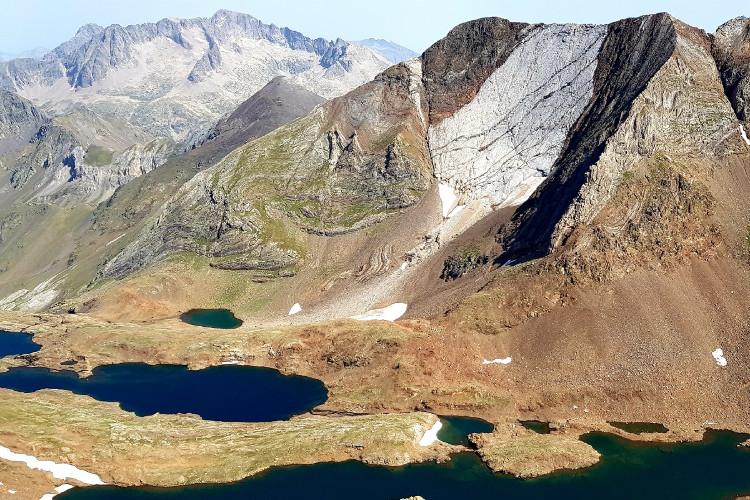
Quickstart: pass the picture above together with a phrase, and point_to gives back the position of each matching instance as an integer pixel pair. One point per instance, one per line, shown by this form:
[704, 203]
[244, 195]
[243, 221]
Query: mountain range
[176, 77]
[542, 221]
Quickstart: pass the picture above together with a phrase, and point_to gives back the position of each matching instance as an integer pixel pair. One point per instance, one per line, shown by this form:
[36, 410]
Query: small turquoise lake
[212, 318]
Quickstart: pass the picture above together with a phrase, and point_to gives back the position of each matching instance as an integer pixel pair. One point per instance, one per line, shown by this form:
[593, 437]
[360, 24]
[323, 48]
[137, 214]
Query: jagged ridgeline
[552, 119]
[177, 77]
[502, 106]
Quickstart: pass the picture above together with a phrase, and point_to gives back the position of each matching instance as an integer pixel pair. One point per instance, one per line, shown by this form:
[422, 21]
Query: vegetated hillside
[82, 238]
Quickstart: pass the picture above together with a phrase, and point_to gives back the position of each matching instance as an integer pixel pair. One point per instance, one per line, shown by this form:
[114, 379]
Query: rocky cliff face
[732, 52]
[512, 131]
[657, 91]
[175, 78]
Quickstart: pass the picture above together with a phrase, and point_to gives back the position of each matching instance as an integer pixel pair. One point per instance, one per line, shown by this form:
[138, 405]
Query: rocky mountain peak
[89, 30]
[456, 66]
[736, 27]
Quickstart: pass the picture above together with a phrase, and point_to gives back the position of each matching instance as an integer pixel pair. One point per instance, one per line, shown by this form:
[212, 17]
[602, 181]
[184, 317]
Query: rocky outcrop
[19, 121]
[515, 127]
[51, 147]
[455, 67]
[634, 50]
[732, 53]
[350, 163]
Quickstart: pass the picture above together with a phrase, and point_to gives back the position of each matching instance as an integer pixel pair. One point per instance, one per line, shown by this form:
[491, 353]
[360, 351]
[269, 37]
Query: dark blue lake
[456, 430]
[226, 393]
[712, 469]
[212, 318]
[14, 343]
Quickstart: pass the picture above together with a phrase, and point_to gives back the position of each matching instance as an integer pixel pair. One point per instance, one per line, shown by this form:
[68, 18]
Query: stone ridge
[89, 55]
[455, 67]
[514, 129]
[633, 52]
[732, 54]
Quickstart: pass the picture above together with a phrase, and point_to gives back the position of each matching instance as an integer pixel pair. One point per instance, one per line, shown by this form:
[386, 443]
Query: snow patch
[744, 135]
[497, 361]
[430, 436]
[296, 308]
[448, 198]
[718, 355]
[59, 471]
[390, 313]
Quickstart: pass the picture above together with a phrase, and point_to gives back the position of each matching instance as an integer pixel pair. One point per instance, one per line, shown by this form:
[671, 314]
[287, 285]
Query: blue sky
[28, 24]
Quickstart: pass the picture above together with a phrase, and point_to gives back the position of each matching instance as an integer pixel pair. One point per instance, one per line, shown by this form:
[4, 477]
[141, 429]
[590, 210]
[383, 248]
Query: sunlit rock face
[515, 126]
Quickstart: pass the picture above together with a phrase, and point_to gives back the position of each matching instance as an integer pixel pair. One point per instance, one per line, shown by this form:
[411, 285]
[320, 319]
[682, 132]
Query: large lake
[227, 393]
[712, 469]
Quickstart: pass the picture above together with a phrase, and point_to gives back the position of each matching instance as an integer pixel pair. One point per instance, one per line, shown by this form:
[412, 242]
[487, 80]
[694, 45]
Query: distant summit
[393, 52]
[176, 77]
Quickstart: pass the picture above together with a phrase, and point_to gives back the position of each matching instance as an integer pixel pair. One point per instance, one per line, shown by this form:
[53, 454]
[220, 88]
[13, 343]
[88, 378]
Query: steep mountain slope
[394, 173]
[84, 239]
[19, 121]
[353, 160]
[393, 52]
[175, 78]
